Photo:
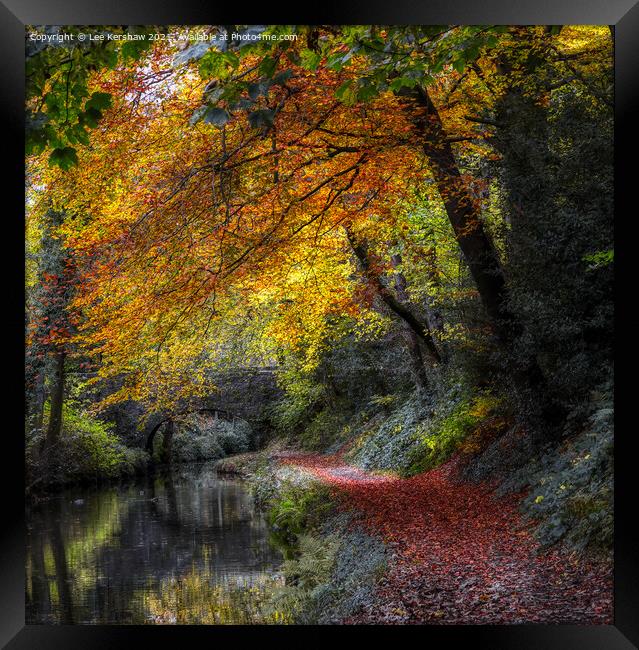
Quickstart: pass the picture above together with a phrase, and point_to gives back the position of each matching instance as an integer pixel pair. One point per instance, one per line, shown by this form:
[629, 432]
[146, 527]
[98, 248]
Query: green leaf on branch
[459, 64]
[90, 117]
[402, 82]
[346, 93]
[310, 60]
[65, 158]
[99, 101]
[134, 49]
[267, 66]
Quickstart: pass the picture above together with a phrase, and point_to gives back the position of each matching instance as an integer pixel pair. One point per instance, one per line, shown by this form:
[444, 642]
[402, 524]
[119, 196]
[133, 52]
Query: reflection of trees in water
[192, 599]
[61, 573]
[63, 542]
[172, 526]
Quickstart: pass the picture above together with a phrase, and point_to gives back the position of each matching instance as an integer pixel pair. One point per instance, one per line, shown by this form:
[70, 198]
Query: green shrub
[205, 438]
[296, 510]
[385, 440]
[306, 575]
[327, 427]
[97, 448]
[445, 433]
[135, 461]
[87, 449]
[302, 397]
[233, 440]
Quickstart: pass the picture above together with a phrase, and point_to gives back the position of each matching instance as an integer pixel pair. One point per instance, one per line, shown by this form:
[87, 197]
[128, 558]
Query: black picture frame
[14, 15]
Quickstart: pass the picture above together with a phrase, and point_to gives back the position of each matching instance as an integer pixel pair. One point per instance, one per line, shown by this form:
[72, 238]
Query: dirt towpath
[460, 555]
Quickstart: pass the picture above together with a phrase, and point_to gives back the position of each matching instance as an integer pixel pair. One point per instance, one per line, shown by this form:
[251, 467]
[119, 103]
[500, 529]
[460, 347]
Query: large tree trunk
[420, 328]
[38, 402]
[481, 257]
[464, 215]
[57, 401]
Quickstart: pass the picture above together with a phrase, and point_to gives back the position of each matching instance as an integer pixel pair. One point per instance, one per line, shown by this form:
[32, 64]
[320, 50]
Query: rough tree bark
[477, 248]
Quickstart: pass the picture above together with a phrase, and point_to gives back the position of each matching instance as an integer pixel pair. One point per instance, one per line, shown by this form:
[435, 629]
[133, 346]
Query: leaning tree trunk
[419, 327]
[481, 256]
[412, 340]
[57, 401]
[464, 215]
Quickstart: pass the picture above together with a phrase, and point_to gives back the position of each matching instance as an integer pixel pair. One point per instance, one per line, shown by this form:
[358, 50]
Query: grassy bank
[331, 565]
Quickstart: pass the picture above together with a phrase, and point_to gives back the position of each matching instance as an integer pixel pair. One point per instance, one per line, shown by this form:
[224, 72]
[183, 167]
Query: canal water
[184, 547]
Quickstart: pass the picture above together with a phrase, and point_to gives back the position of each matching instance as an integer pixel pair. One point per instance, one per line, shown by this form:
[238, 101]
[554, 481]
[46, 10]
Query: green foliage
[216, 116]
[296, 510]
[93, 440]
[305, 575]
[447, 430]
[599, 259]
[87, 450]
[404, 56]
[411, 434]
[309, 59]
[385, 440]
[206, 438]
[384, 401]
[326, 428]
[65, 157]
[302, 397]
[61, 110]
[355, 372]
[134, 461]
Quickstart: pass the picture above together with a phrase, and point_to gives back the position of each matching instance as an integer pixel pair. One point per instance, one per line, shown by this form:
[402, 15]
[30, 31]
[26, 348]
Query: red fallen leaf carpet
[460, 555]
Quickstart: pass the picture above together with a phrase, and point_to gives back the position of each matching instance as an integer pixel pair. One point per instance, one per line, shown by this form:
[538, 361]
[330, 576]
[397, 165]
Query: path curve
[459, 554]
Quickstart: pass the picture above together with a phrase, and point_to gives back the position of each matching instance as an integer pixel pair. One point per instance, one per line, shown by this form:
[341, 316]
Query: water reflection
[184, 547]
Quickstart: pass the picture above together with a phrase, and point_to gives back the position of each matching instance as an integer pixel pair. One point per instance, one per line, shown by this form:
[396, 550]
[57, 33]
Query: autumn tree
[237, 202]
[49, 328]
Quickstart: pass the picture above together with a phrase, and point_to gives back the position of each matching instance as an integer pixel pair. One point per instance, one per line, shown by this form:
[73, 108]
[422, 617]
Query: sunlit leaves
[207, 215]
